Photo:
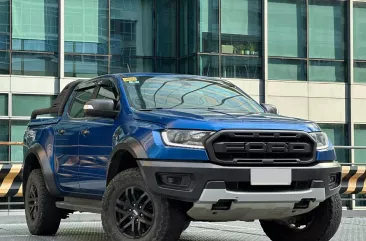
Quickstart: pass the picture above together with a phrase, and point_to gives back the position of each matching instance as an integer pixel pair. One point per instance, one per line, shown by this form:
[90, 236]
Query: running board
[81, 205]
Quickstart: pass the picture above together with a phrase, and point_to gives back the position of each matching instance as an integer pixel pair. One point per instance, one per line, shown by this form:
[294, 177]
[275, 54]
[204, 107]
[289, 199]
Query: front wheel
[131, 212]
[321, 224]
[42, 215]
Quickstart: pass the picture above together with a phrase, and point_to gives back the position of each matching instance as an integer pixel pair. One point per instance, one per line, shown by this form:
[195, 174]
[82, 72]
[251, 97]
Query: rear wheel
[42, 215]
[131, 212]
[321, 224]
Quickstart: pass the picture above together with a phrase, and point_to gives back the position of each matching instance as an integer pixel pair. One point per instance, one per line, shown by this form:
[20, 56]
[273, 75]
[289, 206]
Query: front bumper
[209, 182]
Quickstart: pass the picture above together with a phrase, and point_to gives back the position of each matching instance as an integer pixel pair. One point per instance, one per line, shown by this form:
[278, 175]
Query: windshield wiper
[157, 108]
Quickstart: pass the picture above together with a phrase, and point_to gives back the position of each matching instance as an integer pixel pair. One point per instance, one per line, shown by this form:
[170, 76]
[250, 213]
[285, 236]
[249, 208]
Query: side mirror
[270, 108]
[100, 108]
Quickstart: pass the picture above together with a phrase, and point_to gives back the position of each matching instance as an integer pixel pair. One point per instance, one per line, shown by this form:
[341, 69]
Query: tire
[42, 215]
[326, 219]
[162, 220]
[186, 225]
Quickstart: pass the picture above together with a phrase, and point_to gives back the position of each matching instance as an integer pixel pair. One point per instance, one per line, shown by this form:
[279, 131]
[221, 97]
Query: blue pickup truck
[153, 152]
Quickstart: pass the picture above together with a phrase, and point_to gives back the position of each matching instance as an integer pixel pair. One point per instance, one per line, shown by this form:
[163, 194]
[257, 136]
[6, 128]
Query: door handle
[85, 132]
[62, 131]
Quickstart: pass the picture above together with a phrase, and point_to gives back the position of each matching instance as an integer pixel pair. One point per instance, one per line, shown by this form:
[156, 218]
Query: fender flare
[131, 145]
[48, 173]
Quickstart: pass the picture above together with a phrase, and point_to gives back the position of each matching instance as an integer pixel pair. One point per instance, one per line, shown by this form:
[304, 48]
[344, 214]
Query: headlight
[185, 138]
[321, 139]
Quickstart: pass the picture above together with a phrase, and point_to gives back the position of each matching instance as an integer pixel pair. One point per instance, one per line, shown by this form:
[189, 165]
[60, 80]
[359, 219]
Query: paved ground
[352, 229]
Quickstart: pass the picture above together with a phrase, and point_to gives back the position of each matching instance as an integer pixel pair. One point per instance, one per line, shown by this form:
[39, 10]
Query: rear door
[95, 143]
[66, 146]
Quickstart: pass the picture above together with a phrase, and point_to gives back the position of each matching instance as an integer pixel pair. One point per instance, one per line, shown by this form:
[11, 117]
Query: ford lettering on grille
[262, 147]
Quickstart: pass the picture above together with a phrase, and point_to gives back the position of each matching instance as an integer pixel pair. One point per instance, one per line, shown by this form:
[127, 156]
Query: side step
[81, 205]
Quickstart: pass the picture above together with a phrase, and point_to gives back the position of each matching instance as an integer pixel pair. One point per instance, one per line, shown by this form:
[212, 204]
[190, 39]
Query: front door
[95, 144]
[67, 132]
[66, 158]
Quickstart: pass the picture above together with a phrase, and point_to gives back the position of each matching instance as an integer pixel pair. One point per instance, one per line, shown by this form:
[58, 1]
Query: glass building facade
[308, 57]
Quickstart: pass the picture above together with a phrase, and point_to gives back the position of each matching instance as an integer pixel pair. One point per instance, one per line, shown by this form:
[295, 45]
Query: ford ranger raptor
[153, 152]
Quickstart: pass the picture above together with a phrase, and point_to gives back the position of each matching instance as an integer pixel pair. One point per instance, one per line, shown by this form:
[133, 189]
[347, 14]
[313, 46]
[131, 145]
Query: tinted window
[171, 92]
[80, 99]
[107, 92]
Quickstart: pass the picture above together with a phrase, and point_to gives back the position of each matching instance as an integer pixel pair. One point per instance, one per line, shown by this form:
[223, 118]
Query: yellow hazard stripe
[352, 184]
[20, 192]
[345, 171]
[9, 179]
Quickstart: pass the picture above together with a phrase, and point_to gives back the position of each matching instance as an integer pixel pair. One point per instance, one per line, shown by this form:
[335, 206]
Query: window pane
[209, 26]
[35, 25]
[166, 66]
[107, 92]
[3, 105]
[286, 69]
[361, 200]
[327, 29]
[188, 65]
[4, 63]
[360, 72]
[13, 200]
[85, 66]
[23, 105]
[360, 140]
[359, 33]
[338, 135]
[34, 64]
[241, 67]
[347, 202]
[4, 136]
[287, 28]
[17, 133]
[209, 65]
[166, 28]
[241, 26]
[4, 16]
[4, 26]
[188, 27]
[4, 41]
[121, 64]
[81, 97]
[132, 27]
[327, 71]
[86, 26]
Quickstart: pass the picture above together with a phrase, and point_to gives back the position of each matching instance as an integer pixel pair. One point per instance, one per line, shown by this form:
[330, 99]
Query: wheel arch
[124, 156]
[36, 158]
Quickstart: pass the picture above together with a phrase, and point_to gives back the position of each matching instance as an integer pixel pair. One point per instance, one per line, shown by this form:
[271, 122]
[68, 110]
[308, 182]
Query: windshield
[170, 92]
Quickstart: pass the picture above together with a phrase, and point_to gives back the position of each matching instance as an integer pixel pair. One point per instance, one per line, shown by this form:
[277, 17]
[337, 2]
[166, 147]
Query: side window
[81, 97]
[107, 92]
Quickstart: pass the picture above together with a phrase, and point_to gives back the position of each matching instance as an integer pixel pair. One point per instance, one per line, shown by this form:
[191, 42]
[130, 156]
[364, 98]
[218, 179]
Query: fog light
[334, 180]
[174, 180]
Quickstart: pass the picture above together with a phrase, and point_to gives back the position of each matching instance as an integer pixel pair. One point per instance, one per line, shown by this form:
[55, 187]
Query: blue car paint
[80, 162]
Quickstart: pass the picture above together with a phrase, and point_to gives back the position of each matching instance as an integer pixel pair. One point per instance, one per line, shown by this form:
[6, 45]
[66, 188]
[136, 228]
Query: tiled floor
[352, 229]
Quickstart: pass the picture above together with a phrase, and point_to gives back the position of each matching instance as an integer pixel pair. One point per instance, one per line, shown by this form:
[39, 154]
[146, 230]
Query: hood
[220, 120]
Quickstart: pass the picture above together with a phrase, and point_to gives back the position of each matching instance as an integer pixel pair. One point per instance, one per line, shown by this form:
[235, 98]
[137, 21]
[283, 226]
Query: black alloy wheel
[130, 211]
[33, 202]
[134, 212]
[41, 213]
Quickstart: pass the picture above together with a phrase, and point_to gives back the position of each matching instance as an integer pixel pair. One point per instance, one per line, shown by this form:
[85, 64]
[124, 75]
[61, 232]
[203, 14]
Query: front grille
[261, 147]
[247, 187]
